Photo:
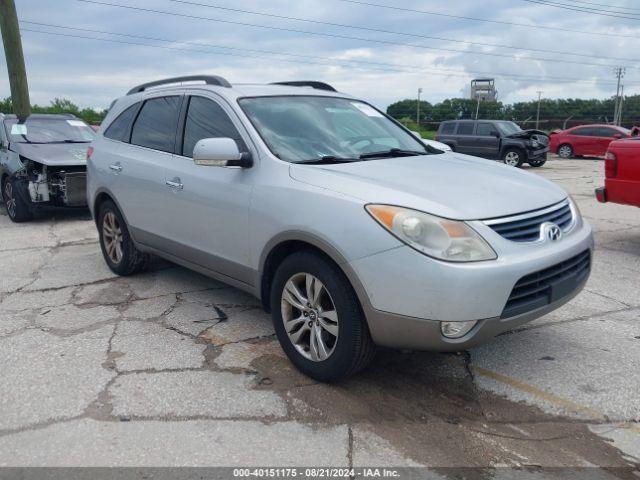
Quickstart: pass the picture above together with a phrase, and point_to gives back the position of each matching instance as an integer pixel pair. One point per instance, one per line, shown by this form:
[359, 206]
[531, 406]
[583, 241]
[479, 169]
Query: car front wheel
[119, 251]
[513, 157]
[318, 319]
[15, 198]
[565, 151]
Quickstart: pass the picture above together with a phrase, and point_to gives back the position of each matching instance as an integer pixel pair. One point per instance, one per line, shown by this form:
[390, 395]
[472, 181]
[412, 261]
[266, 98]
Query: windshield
[49, 130]
[508, 128]
[305, 128]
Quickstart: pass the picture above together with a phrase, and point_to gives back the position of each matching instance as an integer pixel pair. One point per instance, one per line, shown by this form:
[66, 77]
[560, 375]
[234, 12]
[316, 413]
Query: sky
[372, 52]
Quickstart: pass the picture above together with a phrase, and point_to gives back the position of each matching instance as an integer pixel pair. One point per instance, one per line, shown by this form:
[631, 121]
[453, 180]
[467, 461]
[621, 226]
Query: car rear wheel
[119, 251]
[15, 198]
[318, 319]
[513, 157]
[565, 151]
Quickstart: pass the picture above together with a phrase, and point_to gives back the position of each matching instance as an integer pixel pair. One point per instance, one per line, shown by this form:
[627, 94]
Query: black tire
[565, 151]
[354, 349]
[537, 163]
[15, 196]
[131, 260]
[514, 155]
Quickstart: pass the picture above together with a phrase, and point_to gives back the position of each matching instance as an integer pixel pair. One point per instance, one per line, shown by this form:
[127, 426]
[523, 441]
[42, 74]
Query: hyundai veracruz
[352, 232]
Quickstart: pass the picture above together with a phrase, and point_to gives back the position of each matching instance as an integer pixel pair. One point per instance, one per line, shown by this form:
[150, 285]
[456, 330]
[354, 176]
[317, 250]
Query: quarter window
[156, 124]
[448, 128]
[120, 127]
[465, 128]
[206, 119]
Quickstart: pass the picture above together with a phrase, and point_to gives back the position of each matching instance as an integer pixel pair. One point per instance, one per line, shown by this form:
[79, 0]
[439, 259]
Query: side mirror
[495, 133]
[417, 135]
[220, 152]
[617, 135]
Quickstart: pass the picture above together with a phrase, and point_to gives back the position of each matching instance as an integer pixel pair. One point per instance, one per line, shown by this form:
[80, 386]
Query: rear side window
[465, 128]
[447, 128]
[120, 127]
[156, 124]
[206, 119]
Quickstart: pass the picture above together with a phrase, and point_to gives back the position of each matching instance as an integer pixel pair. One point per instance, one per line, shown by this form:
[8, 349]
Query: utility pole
[418, 109]
[619, 71]
[538, 115]
[621, 104]
[15, 59]
[478, 106]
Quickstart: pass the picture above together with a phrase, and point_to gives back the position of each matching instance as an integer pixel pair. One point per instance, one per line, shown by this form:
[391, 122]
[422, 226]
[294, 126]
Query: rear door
[137, 167]
[487, 140]
[465, 139]
[206, 215]
[584, 141]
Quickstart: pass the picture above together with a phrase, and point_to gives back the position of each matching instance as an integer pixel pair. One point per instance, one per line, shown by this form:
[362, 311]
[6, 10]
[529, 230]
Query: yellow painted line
[548, 397]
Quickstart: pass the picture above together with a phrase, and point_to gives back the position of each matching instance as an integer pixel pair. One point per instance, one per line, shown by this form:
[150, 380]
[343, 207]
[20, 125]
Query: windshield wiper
[393, 152]
[328, 159]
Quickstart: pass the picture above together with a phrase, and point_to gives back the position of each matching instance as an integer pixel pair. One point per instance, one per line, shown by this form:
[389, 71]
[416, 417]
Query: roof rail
[304, 83]
[208, 79]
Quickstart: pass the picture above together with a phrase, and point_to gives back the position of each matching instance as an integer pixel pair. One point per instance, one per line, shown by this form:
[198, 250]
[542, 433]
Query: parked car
[345, 225]
[585, 140]
[42, 163]
[622, 173]
[498, 140]
[433, 143]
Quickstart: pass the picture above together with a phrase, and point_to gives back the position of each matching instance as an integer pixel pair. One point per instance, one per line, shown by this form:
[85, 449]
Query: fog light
[456, 329]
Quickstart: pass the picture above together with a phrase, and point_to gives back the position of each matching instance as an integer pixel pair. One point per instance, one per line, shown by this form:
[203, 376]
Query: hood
[53, 154]
[449, 185]
[528, 134]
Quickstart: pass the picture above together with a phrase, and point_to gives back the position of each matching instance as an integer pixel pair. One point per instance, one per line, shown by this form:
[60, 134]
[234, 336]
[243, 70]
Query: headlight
[437, 237]
[535, 143]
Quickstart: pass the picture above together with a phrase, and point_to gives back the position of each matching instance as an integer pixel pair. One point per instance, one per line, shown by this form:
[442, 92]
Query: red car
[622, 173]
[585, 140]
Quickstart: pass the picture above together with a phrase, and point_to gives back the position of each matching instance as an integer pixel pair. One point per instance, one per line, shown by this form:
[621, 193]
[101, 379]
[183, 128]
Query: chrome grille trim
[526, 227]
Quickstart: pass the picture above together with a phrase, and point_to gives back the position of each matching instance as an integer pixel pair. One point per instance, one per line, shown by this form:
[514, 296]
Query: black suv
[495, 139]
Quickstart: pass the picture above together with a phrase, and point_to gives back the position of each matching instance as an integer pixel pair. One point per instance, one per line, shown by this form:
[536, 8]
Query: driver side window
[206, 119]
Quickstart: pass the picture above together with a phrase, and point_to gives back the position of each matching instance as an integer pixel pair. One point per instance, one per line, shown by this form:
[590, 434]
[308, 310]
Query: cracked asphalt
[169, 368]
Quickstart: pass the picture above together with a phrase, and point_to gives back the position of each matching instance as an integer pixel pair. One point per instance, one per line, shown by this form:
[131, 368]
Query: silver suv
[351, 231]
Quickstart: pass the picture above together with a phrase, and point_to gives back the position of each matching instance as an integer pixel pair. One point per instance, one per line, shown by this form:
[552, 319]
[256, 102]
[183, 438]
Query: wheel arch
[287, 243]
[102, 196]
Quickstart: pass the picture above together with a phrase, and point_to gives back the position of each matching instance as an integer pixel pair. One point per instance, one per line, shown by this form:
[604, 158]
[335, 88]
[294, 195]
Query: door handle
[176, 185]
[116, 167]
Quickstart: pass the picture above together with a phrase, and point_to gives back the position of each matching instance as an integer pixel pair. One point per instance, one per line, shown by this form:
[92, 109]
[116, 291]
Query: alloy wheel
[565, 151]
[112, 237]
[9, 199]
[512, 159]
[310, 317]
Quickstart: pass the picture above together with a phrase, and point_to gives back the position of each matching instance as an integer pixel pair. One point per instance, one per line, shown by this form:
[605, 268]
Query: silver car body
[230, 223]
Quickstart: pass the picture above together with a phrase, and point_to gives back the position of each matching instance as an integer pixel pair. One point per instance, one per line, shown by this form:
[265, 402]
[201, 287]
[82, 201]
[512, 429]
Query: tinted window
[584, 132]
[485, 129]
[155, 126]
[120, 127]
[607, 132]
[465, 128]
[447, 128]
[206, 119]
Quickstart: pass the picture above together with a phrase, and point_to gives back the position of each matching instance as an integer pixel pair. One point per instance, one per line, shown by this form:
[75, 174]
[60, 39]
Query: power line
[379, 30]
[575, 8]
[324, 60]
[335, 35]
[617, 7]
[487, 20]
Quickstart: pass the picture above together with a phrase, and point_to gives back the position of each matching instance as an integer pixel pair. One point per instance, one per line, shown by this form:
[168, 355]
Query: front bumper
[409, 294]
[537, 154]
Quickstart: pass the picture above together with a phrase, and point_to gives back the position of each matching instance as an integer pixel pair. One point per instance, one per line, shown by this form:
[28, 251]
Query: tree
[60, 105]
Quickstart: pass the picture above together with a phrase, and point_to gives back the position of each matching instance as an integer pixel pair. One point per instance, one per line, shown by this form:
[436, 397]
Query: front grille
[526, 227]
[547, 286]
